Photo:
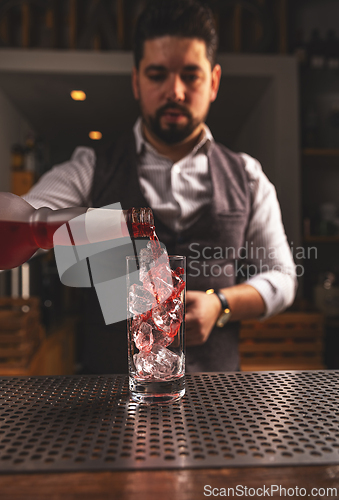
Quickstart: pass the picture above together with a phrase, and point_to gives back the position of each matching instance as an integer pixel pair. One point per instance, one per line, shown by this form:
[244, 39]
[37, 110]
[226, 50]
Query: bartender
[215, 206]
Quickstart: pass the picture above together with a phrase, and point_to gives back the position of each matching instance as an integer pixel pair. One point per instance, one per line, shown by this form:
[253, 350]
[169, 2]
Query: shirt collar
[141, 142]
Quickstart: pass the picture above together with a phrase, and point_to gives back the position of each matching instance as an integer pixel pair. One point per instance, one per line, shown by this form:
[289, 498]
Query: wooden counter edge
[178, 484]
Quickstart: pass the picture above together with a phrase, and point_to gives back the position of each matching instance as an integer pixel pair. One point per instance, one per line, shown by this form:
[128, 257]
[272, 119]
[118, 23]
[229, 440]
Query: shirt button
[176, 169]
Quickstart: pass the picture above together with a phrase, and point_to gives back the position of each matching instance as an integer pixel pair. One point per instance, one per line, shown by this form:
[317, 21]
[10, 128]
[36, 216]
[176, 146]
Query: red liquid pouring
[141, 224]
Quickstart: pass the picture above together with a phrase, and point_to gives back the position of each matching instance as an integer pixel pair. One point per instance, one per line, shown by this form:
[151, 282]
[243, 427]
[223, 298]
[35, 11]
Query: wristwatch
[226, 311]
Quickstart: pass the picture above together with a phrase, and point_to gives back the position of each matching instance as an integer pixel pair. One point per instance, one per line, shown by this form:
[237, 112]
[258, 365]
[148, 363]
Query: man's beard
[174, 133]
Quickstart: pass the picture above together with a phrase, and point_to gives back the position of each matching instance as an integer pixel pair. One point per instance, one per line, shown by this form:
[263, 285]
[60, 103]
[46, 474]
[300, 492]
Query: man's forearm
[245, 302]
[203, 310]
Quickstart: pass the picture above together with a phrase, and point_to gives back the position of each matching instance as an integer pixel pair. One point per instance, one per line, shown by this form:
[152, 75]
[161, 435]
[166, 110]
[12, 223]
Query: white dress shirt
[177, 193]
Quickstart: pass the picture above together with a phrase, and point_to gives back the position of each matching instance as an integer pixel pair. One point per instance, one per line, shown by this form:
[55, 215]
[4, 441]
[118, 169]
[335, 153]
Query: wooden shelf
[322, 239]
[320, 152]
[55, 356]
[288, 341]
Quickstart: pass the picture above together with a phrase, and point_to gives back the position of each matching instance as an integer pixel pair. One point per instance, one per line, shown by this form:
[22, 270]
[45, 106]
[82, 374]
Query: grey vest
[219, 231]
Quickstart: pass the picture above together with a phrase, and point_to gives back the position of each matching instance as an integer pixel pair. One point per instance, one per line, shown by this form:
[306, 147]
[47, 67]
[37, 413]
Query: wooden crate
[21, 332]
[288, 341]
[18, 314]
[55, 355]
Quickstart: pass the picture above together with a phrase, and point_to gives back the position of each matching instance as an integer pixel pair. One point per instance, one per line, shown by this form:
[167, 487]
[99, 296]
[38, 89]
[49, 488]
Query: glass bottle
[24, 229]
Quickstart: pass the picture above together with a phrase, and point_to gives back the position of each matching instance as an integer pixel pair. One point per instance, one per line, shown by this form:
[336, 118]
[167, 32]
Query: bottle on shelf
[29, 157]
[316, 49]
[24, 229]
[41, 157]
[23, 165]
[300, 48]
[329, 222]
[17, 158]
[326, 294]
[332, 50]
[311, 128]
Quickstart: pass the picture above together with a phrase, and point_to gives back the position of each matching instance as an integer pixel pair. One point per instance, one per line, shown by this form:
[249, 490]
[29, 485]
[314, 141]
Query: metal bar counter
[236, 428]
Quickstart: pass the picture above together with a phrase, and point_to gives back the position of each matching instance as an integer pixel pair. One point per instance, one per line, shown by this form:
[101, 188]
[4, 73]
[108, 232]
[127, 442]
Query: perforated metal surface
[229, 419]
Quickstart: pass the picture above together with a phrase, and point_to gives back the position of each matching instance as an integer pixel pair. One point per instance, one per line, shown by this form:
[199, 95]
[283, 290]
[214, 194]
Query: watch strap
[225, 312]
[223, 300]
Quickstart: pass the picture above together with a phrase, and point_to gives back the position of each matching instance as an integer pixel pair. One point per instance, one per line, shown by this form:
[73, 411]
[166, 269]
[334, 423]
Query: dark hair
[182, 18]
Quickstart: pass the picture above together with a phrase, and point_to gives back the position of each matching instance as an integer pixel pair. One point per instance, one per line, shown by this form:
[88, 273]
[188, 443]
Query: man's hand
[202, 311]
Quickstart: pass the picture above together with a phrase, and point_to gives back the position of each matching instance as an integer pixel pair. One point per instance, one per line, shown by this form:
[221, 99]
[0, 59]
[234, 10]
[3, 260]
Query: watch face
[223, 318]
